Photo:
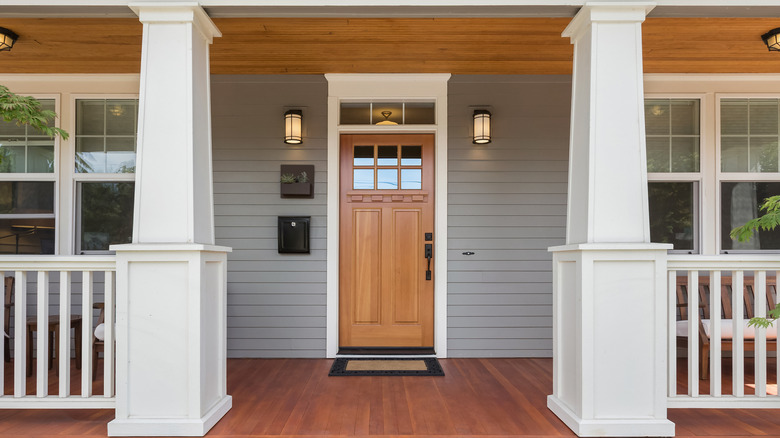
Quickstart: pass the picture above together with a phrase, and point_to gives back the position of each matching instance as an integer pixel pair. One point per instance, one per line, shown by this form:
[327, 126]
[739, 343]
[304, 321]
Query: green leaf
[26, 110]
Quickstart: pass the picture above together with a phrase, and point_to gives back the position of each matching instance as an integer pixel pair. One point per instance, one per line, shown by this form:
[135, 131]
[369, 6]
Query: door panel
[385, 299]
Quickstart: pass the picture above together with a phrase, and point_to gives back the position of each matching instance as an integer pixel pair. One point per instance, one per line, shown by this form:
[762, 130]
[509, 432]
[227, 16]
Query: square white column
[609, 289]
[172, 280]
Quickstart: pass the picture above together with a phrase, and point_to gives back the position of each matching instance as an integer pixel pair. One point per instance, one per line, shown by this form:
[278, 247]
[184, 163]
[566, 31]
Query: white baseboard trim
[172, 426]
[623, 427]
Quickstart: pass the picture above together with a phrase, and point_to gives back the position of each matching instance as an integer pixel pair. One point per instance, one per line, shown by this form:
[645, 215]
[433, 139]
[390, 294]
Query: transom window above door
[387, 167]
[387, 113]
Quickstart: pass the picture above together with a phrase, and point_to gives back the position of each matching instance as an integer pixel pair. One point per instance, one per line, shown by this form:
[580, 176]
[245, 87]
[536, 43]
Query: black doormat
[377, 366]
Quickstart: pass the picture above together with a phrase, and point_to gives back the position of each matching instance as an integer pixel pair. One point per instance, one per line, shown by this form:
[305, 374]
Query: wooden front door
[386, 276]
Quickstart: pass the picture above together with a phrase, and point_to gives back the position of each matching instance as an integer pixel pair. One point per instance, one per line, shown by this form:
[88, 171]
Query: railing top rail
[57, 263]
[729, 262]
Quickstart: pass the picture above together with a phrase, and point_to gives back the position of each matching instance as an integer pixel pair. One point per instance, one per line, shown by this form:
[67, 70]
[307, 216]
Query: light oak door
[386, 243]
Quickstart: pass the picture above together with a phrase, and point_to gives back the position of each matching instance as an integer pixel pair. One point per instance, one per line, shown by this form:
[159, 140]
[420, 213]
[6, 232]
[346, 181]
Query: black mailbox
[294, 234]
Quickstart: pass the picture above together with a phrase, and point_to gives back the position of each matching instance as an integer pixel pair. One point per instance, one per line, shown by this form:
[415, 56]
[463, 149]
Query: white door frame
[387, 88]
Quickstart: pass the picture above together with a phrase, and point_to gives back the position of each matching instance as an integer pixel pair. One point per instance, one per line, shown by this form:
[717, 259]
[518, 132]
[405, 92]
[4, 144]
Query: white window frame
[721, 177]
[73, 178]
[697, 178]
[43, 177]
[712, 87]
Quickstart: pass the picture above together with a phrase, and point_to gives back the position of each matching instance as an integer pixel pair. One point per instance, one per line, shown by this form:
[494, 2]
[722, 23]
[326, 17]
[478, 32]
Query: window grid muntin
[749, 136]
[105, 136]
[376, 167]
[372, 121]
[671, 135]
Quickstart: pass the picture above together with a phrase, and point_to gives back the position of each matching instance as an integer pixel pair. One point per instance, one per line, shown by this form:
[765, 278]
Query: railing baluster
[64, 354]
[672, 334]
[737, 339]
[693, 333]
[86, 334]
[759, 339]
[108, 343]
[42, 325]
[20, 334]
[715, 334]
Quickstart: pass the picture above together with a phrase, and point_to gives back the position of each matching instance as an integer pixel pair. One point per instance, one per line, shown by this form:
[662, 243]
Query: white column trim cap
[176, 12]
[607, 12]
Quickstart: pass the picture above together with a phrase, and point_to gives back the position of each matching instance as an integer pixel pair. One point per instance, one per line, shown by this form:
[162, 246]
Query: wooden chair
[97, 344]
[726, 296]
[9, 296]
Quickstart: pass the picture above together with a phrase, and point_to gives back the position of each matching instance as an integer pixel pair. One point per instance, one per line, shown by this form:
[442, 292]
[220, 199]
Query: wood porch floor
[477, 397]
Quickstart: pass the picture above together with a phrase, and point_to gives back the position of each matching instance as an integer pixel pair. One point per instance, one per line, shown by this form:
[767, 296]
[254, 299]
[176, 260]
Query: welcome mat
[377, 366]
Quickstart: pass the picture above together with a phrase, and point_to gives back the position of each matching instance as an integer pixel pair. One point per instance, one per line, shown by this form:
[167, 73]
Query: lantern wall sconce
[482, 128]
[772, 40]
[293, 122]
[7, 39]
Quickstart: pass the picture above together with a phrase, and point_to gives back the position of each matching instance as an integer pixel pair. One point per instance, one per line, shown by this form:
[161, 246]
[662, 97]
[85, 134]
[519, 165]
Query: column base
[171, 426]
[609, 427]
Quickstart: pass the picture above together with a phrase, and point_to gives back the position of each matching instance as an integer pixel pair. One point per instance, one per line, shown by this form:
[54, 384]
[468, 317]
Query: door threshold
[387, 351]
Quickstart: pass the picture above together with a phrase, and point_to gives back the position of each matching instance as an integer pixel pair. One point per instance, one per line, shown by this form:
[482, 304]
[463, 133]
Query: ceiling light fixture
[7, 39]
[772, 40]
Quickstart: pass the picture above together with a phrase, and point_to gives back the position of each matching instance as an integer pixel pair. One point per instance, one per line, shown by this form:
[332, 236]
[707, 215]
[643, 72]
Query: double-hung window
[28, 179]
[673, 137]
[749, 129]
[104, 172]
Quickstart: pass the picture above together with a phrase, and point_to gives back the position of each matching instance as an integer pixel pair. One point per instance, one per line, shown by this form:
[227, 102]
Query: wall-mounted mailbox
[294, 234]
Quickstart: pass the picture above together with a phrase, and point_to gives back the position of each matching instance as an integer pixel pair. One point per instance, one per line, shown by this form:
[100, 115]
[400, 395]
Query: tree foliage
[26, 110]
[768, 221]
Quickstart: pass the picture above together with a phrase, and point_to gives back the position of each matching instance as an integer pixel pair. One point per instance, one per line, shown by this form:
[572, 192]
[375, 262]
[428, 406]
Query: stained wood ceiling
[378, 45]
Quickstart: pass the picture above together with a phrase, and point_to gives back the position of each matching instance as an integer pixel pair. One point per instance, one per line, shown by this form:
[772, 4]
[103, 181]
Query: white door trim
[387, 87]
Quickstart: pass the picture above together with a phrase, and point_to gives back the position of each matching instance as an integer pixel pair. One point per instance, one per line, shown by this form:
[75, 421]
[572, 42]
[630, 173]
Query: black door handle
[429, 256]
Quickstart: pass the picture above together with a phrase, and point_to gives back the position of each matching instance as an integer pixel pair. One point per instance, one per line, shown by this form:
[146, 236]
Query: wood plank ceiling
[379, 45]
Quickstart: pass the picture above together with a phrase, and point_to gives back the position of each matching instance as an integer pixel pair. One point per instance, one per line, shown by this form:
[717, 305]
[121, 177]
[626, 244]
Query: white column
[609, 295]
[171, 281]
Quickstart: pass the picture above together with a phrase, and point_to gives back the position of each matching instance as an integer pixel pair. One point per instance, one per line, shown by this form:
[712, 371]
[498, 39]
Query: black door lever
[429, 256]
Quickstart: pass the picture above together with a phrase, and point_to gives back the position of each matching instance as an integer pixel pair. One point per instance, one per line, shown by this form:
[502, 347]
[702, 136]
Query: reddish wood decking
[482, 397]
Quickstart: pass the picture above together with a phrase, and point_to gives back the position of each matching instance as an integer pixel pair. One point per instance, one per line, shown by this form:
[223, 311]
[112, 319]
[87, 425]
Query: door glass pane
[387, 156]
[411, 156]
[26, 197]
[672, 214]
[355, 113]
[739, 204]
[411, 179]
[106, 213]
[387, 179]
[364, 156]
[27, 235]
[363, 179]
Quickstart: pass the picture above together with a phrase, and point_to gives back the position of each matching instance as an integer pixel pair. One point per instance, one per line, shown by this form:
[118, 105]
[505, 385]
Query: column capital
[176, 12]
[595, 12]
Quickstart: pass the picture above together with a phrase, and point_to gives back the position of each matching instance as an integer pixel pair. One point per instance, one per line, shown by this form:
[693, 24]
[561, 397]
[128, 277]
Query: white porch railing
[701, 328]
[70, 270]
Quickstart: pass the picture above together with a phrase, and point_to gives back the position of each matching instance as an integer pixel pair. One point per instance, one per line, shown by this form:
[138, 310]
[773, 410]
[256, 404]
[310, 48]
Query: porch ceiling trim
[390, 8]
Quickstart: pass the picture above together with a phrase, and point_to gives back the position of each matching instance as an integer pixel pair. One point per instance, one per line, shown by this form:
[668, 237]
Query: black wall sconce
[482, 131]
[293, 122]
[7, 39]
[772, 40]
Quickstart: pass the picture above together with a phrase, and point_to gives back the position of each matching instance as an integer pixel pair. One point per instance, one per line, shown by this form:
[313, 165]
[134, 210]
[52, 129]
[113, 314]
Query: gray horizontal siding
[276, 302]
[507, 203]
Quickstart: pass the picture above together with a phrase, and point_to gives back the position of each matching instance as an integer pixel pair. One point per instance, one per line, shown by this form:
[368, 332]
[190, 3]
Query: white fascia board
[367, 3]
